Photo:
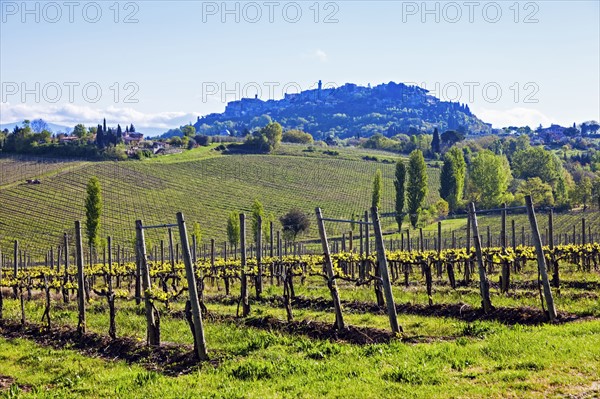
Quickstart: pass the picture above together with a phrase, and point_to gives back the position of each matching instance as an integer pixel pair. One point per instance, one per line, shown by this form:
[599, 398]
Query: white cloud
[321, 55]
[70, 115]
[318, 55]
[514, 117]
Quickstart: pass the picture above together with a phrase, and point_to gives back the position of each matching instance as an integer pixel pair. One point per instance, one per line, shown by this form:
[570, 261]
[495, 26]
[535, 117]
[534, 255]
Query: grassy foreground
[533, 362]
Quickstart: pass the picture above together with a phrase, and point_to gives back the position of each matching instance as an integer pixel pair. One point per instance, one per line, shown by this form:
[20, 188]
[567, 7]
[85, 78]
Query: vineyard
[208, 189]
[346, 312]
[253, 307]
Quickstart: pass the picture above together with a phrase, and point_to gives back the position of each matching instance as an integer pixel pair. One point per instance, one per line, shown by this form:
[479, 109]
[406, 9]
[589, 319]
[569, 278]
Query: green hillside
[205, 188]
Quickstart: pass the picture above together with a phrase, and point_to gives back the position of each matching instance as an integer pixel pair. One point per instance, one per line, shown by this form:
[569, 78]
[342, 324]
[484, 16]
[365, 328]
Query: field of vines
[207, 189]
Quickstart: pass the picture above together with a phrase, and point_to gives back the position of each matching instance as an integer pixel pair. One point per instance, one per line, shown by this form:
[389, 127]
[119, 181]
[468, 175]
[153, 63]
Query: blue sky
[162, 64]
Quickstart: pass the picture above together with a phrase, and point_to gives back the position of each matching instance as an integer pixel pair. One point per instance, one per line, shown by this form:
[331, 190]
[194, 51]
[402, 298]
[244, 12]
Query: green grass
[191, 155]
[483, 359]
[537, 362]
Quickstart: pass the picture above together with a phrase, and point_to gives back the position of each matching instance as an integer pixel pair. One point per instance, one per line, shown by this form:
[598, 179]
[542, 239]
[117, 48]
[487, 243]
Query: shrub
[202, 140]
[297, 136]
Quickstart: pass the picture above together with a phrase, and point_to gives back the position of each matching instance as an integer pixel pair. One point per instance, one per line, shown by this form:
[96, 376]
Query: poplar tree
[416, 188]
[93, 210]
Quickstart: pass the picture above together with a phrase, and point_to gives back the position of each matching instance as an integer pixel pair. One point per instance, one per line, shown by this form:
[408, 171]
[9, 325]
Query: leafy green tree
[596, 191]
[416, 188]
[80, 131]
[176, 141]
[257, 142]
[452, 178]
[440, 208]
[293, 223]
[561, 192]
[273, 133]
[400, 185]
[93, 210]
[541, 193]
[233, 228]
[257, 210]
[188, 131]
[377, 189]
[537, 162]
[489, 176]
[451, 137]
[583, 192]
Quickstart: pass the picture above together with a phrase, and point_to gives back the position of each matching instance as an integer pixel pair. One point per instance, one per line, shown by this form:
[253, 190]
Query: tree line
[490, 179]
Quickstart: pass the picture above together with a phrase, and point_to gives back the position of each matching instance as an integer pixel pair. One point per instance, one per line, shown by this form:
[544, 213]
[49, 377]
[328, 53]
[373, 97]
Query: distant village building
[554, 129]
[67, 139]
[132, 138]
[554, 133]
[159, 147]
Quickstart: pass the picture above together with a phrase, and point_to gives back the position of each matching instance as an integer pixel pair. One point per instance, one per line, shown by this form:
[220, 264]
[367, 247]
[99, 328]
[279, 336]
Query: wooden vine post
[379, 295]
[138, 271]
[555, 270]
[80, 279]
[468, 263]
[583, 242]
[171, 250]
[199, 341]
[152, 322]
[16, 267]
[505, 265]
[537, 241]
[331, 284]
[271, 250]
[484, 284]
[367, 239]
[243, 276]
[65, 291]
[258, 281]
[110, 295]
[406, 267]
[384, 273]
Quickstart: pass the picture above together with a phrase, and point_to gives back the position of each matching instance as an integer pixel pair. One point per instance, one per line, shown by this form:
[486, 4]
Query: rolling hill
[204, 186]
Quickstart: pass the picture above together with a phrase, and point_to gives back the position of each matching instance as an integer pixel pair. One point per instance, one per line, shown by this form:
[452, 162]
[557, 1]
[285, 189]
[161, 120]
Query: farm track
[524, 315]
[176, 359]
[168, 359]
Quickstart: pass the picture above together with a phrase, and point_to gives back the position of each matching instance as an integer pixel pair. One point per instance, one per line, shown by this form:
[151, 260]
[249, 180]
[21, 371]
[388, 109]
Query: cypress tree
[435, 143]
[452, 178]
[399, 184]
[416, 188]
